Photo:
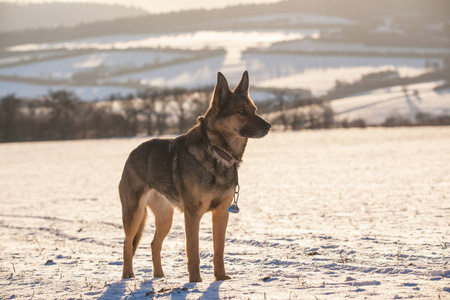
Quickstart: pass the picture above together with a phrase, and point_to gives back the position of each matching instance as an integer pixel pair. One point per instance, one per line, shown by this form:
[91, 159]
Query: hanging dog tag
[233, 208]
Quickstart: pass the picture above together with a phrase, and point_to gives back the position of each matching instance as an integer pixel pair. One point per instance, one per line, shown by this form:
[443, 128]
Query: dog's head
[234, 112]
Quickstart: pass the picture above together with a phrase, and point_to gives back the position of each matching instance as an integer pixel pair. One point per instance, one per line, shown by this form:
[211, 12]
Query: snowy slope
[193, 40]
[319, 73]
[191, 74]
[298, 18]
[375, 106]
[17, 57]
[324, 215]
[66, 67]
[319, 46]
[315, 72]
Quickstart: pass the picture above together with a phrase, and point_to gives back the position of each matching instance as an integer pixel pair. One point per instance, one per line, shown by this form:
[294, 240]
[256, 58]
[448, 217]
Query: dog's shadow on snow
[212, 292]
[115, 290]
[129, 289]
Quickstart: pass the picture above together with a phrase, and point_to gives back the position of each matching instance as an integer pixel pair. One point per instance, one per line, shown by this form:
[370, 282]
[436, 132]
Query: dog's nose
[268, 126]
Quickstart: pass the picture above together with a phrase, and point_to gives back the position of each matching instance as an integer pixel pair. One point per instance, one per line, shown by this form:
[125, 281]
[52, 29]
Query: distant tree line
[60, 115]
[296, 109]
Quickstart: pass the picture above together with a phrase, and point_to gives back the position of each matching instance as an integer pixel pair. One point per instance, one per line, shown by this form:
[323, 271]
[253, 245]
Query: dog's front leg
[219, 224]
[192, 224]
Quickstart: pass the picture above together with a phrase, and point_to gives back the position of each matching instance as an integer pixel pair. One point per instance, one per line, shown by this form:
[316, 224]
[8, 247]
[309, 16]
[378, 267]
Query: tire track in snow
[55, 232]
[62, 220]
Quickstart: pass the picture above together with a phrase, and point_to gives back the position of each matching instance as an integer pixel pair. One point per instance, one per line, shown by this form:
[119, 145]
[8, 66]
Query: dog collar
[223, 154]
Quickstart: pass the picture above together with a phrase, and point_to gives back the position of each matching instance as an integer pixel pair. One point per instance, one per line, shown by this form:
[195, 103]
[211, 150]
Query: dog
[196, 173]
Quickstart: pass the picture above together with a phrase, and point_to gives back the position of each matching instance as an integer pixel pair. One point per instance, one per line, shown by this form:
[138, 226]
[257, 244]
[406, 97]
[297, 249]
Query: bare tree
[9, 112]
[199, 103]
[280, 100]
[161, 112]
[63, 106]
[179, 98]
[149, 99]
[131, 117]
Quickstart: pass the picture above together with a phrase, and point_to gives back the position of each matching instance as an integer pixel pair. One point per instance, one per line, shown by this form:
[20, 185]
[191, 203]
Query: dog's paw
[158, 275]
[222, 278]
[128, 275]
[195, 279]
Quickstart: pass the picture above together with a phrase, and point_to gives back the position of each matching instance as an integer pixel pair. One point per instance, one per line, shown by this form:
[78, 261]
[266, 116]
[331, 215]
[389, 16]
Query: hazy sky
[157, 6]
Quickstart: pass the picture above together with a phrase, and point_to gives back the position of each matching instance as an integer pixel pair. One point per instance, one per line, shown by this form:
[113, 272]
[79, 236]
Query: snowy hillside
[288, 44]
[332, 214]
[313, 46]
[319, 73]
[377, 105]
[65, 68]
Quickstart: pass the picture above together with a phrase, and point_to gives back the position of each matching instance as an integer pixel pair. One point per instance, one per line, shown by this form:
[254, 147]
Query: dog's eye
[242, 112]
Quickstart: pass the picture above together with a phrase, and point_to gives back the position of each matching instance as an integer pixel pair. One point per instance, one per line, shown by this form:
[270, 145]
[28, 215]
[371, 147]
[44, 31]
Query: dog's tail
[138, 236]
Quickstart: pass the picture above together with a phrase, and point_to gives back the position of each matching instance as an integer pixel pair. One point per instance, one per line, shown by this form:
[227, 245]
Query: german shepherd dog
[196, 173]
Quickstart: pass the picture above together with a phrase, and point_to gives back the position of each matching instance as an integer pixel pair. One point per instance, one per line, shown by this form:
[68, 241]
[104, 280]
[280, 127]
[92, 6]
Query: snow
[66, 67]
[234, 42]
[17, 58]
[332, 214]
[319, 46]
[298, 18]
[193, 40]
[388, 28]
[192, 74]
[319, 73]
[375, 106]
[314, 72]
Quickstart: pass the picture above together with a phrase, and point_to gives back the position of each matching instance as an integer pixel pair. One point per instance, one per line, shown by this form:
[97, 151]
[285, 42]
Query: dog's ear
[221, 91]
[243, 86]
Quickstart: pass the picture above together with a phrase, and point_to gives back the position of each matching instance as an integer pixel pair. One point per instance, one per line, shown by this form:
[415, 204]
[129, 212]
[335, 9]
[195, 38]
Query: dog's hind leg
[138, 236]
[163, 212]
[133, 215]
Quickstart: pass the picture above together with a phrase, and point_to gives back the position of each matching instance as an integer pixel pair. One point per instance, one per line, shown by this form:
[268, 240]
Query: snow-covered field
[319, 73]
[375, 106]
[314, 72]
[65, 68]
[192, 74]
[324, 215]
[26, 56]
[299, 18]
[318, 46]
[193, 40]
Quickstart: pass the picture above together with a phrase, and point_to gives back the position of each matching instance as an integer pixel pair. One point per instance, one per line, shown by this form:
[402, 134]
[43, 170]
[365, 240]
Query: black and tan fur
[191, 173]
